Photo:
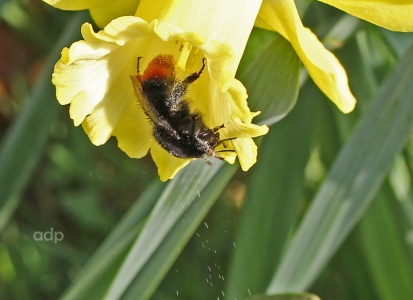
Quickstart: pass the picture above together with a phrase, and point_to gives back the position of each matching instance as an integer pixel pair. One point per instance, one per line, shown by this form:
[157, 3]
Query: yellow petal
[134, 132]
[246, 152]
[323, 67]
[103, 14]
[224, 22]
[102, 11]
[396, 15]
[93, 76]
[230, 109]
[77, 4]
[167, 164]
[73, 86]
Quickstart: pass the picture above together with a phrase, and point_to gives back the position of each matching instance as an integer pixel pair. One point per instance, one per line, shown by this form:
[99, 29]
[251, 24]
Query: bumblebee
[178, 129]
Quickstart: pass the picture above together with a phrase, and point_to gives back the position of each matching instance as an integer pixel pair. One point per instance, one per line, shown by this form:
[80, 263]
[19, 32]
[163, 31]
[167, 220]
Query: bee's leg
[194, 76]
[207, 160]
[226, 150]
[223, 143]
[216, 128]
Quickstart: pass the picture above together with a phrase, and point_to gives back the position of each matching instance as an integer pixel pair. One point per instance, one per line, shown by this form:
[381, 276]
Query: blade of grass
[385, 248]
[352, 183]
[401, 183]
[175, 200]
[272, 200]
[100, 271]
[162, 259]
[271, 91]
[297, 296]
[23, 145]
[94, 280]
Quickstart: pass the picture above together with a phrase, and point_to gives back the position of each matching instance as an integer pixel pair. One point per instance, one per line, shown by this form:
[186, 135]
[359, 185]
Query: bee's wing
[157, 120]
[144, 103]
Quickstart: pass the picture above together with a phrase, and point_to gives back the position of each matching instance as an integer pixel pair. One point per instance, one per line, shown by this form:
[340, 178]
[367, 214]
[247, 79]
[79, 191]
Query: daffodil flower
[323, 67]
[93, 76]
[282, 16]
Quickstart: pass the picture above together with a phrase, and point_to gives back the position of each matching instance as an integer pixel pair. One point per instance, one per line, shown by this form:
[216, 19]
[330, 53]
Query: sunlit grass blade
[24, 142]
[168, 211]
[193, 203]
[161, 260]
[352, 182]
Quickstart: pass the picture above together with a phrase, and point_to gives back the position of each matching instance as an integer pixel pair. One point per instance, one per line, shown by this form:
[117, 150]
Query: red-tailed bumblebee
[178, 129]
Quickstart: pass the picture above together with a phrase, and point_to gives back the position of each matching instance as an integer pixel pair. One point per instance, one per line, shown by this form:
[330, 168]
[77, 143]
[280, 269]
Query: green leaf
[162, 259]
[289, 296]
[386, 251]
[25, 141]
[273, 196]
[93, 282]
[168, 212]
[190, 206]
[271, 91]
[352, 182]
[401, 183]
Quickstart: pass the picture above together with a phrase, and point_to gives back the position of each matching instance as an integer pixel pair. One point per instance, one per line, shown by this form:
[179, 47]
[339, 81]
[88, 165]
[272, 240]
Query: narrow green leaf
[94, 280]
[103, 266]
[162, 259]
[256, 45]
[352, 183]
[177, 197]
[272, 200]
[386, 251]
[24, 142]
[290, 296]
[401, 183]
[340, 32]
[399, 42]
[272, 81]
[346, 276]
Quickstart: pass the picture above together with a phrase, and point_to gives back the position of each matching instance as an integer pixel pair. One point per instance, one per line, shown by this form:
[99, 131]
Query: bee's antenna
[203, 67]
[194, 76]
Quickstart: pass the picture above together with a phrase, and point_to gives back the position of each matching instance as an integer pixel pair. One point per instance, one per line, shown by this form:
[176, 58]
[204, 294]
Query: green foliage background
[327, 209]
